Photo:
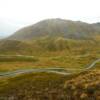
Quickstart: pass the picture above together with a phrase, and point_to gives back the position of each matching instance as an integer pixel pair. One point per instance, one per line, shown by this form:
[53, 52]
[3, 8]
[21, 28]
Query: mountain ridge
[56, 27]
[53, 35]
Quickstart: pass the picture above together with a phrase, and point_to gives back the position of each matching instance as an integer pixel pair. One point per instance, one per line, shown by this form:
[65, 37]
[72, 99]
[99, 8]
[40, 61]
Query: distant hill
[97, 24]
[49, 46]
[14, 47]
[57, 27]
[53, 35]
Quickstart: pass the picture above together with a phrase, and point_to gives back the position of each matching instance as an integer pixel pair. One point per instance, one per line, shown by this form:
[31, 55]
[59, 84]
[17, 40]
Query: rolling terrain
[53, 36]
[54, 59]
[57, 27]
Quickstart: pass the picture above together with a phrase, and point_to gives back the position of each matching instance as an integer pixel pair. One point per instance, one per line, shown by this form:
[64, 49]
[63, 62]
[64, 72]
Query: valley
[54, 59]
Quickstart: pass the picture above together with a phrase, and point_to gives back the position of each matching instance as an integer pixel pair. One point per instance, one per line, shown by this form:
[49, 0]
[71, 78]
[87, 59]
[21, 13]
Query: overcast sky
[15, 14]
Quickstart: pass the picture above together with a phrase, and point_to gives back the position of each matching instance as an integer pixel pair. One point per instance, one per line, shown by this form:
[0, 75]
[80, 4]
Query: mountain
[53, 35]
[57, 27]
[52, 43]
[97, 24]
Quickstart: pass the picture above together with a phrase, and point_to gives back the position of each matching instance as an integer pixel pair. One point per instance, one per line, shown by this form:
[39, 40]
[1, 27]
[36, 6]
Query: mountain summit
[56, 27]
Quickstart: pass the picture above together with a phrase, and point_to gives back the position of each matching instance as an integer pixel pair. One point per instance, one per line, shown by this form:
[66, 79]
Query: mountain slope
[14, 47]
[56, 27]
[58, 45]
[53, 35]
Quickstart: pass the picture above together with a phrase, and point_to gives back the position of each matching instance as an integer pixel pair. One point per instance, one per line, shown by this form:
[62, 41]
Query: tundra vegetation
[53, 43]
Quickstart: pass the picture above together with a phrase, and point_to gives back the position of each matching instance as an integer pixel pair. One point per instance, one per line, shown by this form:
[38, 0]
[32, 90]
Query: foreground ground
[50, 86]
[45, 86]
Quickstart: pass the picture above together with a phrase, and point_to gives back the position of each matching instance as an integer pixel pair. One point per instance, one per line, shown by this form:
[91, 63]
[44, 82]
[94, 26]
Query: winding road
[58, 70]
[35, 70]
[93, 64]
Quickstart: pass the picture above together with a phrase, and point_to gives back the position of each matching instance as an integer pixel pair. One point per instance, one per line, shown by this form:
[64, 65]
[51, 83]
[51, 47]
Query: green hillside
[53, 36]
[49, 46]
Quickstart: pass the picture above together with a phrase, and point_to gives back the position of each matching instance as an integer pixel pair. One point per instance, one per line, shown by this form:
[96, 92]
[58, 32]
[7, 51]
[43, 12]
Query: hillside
[14, 47]
[53, 35]
[55, 28]
[57, 44]
[46, 86]
[51, 46]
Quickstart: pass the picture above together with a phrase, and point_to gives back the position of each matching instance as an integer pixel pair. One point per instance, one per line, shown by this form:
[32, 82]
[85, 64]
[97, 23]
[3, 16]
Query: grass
[51, 86]
[37, 82]
[19, 58]
[45, 86]
[10, 63]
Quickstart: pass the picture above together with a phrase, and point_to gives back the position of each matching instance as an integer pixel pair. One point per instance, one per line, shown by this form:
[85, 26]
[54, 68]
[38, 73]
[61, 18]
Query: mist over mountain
[2, 35]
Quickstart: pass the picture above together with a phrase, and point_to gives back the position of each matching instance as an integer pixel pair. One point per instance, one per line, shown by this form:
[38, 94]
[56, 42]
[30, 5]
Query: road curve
[92, 64]
[35, 70]
[58, 70]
